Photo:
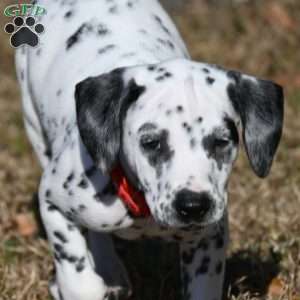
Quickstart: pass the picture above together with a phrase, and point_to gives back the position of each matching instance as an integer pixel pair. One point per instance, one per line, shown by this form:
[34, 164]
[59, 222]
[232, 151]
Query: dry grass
[259, 37]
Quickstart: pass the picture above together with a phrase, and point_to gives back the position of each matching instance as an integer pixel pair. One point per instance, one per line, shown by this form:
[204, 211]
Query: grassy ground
[259, 37]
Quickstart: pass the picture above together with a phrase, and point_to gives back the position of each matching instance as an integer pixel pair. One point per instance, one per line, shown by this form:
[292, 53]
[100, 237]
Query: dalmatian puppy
[111, 85]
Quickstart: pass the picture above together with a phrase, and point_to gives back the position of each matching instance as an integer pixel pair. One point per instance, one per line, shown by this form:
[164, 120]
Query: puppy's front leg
[202, 266]
[75, 275]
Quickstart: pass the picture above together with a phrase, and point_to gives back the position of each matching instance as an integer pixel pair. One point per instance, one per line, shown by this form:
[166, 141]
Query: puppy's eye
[220, 143]
[150, 143]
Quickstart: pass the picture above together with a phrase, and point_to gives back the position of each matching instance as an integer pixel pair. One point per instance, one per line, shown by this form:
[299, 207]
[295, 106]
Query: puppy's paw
[90, 287]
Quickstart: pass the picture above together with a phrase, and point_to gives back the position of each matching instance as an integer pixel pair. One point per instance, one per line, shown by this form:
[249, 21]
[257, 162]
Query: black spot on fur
[113, 9]
[48, 193]
[83, 183]
[106, 49]
[22, 75]
[164, 76]
[167, 186]
[210, 80]
[84, 29]
[80, 265]
[102, 29]
[61, 254]
[68, 180]
[162, 25]
[60, 236]
[48, 153]
[189, 129]
[159, 186]
[51, 206]
[75, 37]
[179, 108]
[71, 227]
[143, 31]
[68, 14]
[117, 224]
[151, 68]
[129, 54]
[130, 4]
[170, 44]
[166, 42]
[204, 266]
[81, 208]
[205, 70]
[159, 78]
[234, 135]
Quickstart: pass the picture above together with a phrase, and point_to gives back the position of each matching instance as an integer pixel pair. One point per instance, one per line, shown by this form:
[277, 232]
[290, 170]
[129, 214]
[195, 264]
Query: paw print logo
[24, 31]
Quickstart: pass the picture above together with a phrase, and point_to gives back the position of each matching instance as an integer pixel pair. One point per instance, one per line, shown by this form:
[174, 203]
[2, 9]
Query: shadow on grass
[248, 271]
[36, 211]
[154, 270]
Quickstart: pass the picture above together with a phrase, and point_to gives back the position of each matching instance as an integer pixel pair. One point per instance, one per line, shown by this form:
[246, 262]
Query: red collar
[132, 198]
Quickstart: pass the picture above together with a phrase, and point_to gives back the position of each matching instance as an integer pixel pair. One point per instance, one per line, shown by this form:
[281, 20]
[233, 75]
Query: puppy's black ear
[101, 104]
[260, 106]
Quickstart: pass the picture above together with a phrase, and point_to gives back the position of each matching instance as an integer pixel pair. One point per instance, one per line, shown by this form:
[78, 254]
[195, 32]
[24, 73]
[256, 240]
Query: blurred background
[260, 37]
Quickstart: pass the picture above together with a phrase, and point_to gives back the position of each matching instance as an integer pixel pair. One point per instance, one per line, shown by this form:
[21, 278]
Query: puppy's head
[174, 128]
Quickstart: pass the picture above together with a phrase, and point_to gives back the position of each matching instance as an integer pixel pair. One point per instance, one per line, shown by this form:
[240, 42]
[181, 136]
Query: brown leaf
[277, 15]
[276, 287]
[26, 224]
[297, 81]
[290, 80]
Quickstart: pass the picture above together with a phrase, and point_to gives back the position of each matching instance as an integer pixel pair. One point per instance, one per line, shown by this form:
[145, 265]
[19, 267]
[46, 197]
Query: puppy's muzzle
[192, 206]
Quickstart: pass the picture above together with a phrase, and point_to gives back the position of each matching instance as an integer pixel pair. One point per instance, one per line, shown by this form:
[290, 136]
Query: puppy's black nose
[192, 206]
